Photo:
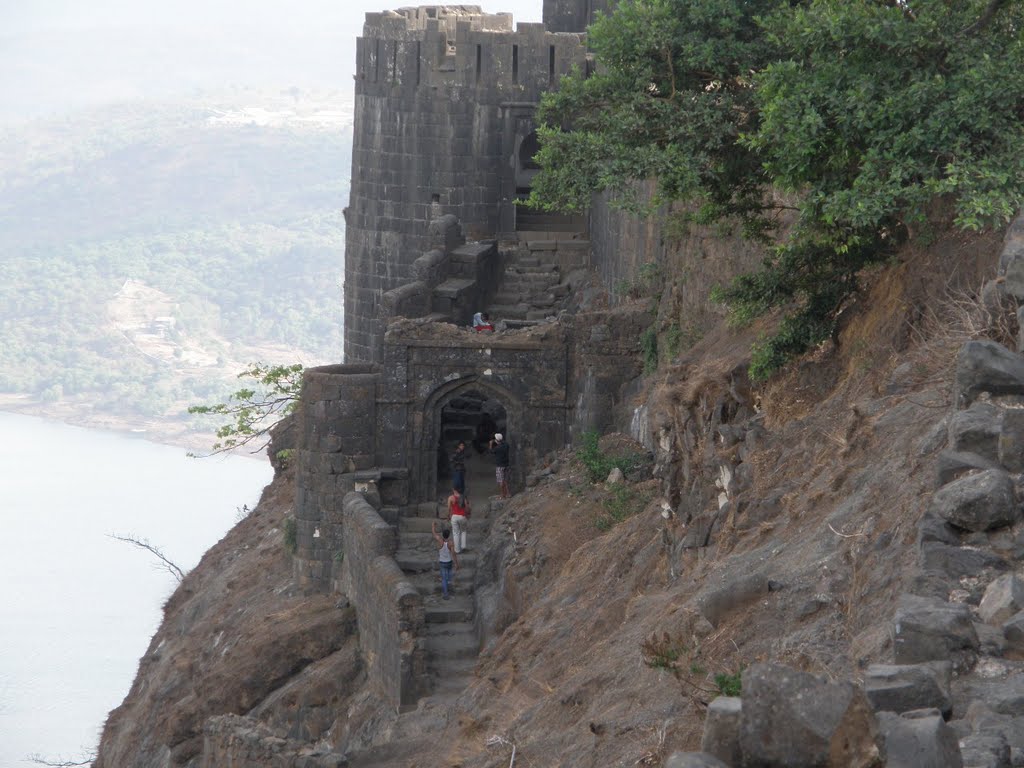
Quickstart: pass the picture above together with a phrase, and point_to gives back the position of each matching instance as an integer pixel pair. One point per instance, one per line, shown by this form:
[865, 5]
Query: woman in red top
[458, 512]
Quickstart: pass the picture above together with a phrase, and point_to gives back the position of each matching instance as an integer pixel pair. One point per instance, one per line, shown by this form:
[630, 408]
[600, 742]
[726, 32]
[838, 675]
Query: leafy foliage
[860, 114]
[598, 463]
[254, 409]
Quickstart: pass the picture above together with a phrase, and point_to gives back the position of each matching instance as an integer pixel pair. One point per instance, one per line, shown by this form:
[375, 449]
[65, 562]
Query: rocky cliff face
[803, 515]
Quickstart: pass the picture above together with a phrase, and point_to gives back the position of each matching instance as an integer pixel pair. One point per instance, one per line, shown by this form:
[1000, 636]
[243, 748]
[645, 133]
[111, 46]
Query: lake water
[77, 608]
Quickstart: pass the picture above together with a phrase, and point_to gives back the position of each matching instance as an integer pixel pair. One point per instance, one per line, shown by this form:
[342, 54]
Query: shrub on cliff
[858, 113]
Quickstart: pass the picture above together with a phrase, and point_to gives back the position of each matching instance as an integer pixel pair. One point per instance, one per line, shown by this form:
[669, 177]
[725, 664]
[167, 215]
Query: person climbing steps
[446, 557]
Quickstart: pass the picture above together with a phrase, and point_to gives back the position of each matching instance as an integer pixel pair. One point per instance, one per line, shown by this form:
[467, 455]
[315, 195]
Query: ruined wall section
[389, 609]
[337, 439]
[440, 95]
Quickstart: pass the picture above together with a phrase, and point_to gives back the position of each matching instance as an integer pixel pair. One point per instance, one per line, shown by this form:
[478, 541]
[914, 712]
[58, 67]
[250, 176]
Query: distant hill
[148, 252]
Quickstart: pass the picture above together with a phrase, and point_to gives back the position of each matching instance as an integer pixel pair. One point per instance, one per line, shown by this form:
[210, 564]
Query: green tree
[254, 409]
[862, 112]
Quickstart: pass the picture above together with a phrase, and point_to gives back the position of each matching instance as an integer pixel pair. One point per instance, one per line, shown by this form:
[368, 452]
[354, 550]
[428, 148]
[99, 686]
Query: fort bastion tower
[444, 103]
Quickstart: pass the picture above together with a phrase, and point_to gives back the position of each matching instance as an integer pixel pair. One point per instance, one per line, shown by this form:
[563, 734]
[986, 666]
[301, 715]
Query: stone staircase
[452, 642]
[532, 286]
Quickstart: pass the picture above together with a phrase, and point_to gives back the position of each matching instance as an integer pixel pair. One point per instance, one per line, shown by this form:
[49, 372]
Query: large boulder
[1011, 440]
[928, 629]
[722, 729]
[1013, 631]
[978, 502]
[906, 687]
[976, 430]
[917, 739]
[955, 464]
[1003, 598]
[792, 719]
[985, 751]
[986, 366]
[1011, 260]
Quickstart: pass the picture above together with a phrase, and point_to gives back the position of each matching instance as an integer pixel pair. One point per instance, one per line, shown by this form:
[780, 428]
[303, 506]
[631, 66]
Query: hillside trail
[452, 638]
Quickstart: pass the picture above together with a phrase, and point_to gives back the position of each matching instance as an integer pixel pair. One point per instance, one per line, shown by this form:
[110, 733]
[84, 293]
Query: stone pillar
[337, 438]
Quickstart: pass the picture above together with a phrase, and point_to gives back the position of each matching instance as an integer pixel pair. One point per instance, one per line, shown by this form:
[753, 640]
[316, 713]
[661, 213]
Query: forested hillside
[150, 251]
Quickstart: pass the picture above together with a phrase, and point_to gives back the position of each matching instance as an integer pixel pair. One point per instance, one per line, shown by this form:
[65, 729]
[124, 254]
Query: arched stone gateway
[472, 410]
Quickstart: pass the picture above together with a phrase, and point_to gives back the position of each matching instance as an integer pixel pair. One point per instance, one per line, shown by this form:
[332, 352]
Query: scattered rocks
[919, 738]
[615, 476]
[928, 629]
[795, 719]
[906, 687]
[1003, 598]
[977, 502]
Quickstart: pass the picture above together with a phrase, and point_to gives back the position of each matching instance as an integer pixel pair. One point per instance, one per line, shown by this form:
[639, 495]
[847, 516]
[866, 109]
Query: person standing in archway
[458, 515]
[458, 462]
[499, 447]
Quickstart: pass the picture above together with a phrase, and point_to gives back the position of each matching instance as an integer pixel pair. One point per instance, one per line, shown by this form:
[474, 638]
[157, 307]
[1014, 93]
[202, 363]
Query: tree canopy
[859, 114]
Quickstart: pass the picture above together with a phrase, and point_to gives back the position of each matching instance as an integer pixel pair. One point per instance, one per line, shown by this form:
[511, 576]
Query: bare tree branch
[985, 19]
[165, 562]
[60, 762]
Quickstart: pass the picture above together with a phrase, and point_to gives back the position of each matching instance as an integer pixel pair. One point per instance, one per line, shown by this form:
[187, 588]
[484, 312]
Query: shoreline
[165, 431]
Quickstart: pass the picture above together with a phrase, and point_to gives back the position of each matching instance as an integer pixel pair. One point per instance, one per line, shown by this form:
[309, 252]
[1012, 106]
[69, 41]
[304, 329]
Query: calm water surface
[77, 609]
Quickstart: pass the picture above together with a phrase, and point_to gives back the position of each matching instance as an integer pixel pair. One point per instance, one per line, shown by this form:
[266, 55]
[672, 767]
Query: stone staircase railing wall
[337, 440]
[453, 278]
[389, 608]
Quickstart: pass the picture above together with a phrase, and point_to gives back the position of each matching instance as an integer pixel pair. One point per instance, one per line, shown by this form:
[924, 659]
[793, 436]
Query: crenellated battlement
[459, 47]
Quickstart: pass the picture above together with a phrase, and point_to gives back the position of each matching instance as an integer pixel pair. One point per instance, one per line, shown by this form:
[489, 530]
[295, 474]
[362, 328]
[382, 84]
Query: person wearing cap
[499, 447]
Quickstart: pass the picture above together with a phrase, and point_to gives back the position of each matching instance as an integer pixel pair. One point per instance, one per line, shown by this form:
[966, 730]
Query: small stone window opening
[479, 61]
[435, 197]
[551, 65]
[515, 63]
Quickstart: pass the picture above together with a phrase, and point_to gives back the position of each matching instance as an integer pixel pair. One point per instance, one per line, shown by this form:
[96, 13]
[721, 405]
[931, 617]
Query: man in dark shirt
[459, 468]
[499, 447]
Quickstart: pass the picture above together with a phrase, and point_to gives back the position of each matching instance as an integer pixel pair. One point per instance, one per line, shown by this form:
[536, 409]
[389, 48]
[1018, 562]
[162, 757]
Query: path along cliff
[806, 529]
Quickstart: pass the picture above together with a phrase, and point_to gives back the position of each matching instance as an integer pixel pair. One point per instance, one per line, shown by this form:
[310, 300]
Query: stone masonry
[444, 103]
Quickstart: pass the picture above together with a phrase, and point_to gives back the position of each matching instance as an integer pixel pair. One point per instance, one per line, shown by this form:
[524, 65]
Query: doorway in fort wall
[469, 409]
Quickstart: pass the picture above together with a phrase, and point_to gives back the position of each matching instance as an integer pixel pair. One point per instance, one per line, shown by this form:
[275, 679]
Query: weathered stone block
[927, 629]
[716, 604]
[905, 687]
[1013, 631]
[1011, 440]
[721, 736]
[1003, 598]
[986, 366]
[794, 719]
[985, 751]
[694, 760]
[952, 465]
[917, 739]
[976, 430]
[977, 502]
[1011, 260]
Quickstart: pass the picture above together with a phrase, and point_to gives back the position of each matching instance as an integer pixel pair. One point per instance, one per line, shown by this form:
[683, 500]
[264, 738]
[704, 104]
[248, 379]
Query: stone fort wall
[444, 99]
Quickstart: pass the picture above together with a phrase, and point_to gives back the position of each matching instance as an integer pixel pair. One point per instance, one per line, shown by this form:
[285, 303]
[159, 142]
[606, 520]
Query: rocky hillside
[760, 534]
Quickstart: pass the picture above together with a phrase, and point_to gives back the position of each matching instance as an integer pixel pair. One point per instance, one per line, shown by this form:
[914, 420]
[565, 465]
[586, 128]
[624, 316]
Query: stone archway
[455, 410]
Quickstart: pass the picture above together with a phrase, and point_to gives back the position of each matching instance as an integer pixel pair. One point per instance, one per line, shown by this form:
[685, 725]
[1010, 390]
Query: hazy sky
[60, 55]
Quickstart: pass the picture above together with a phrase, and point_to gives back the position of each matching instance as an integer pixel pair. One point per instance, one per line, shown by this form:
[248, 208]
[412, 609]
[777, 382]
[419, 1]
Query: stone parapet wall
[241, 742]
[389, 609]
[337, 441]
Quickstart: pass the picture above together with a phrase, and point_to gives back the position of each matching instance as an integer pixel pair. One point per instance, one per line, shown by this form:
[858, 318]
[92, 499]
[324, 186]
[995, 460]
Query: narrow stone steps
[451, 645]
[420, 526]
[458, 609]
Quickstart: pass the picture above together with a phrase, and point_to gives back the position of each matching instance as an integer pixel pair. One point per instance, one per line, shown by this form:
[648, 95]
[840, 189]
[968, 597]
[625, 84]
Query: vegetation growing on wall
[856, 115]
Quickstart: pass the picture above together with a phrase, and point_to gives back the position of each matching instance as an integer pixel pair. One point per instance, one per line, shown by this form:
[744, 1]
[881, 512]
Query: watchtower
[444, 104]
